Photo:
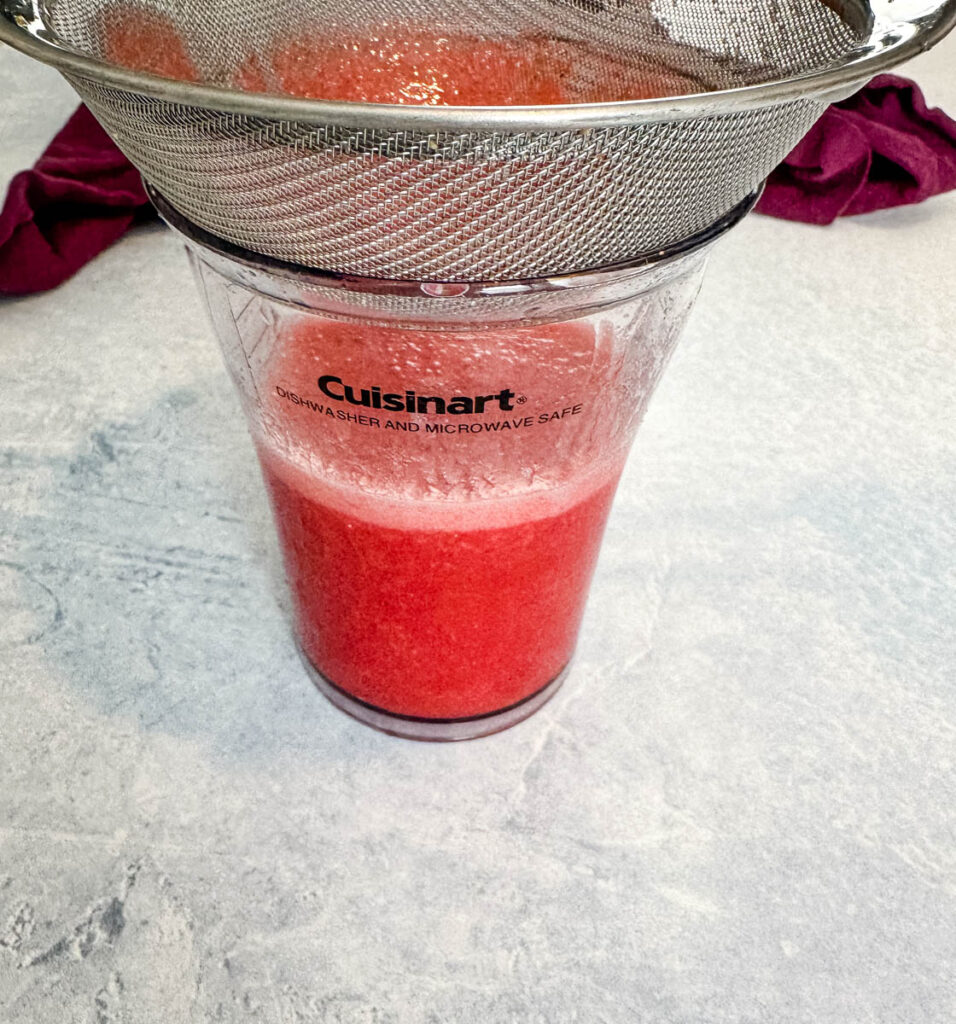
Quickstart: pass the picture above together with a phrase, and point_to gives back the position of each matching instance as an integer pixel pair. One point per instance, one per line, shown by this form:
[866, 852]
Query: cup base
[433, 730]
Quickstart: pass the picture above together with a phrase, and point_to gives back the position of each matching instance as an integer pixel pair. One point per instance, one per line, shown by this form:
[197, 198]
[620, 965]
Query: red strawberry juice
[439, 560]
[420, 615]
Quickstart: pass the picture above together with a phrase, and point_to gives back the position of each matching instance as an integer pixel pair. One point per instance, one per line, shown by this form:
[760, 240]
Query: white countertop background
[740, 808]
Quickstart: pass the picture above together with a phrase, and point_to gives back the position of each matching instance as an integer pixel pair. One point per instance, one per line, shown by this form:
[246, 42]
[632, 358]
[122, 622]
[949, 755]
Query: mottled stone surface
[739, 809]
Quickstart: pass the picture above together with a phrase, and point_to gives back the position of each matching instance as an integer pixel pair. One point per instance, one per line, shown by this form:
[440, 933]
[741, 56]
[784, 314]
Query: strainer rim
[824, 85]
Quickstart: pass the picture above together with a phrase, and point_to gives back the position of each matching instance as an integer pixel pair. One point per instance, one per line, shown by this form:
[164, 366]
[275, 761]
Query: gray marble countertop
[740, 808]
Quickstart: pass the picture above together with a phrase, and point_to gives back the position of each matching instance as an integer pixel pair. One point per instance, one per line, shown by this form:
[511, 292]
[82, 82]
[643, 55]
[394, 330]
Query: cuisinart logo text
[374, 398]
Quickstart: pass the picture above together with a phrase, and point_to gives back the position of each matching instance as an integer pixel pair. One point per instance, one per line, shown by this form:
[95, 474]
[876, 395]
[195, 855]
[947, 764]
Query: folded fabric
[881, 147]
[79, 198]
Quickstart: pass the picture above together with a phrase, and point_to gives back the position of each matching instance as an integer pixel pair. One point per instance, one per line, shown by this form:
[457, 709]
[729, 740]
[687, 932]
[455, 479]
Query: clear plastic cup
[441, 461]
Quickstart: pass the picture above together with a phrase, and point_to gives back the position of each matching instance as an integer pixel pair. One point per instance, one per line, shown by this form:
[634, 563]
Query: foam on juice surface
[567, 420]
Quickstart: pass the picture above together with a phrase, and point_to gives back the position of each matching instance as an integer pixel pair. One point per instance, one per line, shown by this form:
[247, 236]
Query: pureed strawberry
[385, 64]
[420, 67]
[145, 40]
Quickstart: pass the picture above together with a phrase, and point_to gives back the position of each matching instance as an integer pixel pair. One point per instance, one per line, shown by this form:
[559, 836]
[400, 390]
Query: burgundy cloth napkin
[80, 197]
[881, 147]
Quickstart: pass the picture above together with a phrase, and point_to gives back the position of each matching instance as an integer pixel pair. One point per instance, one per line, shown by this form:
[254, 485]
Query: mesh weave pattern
[482, 204]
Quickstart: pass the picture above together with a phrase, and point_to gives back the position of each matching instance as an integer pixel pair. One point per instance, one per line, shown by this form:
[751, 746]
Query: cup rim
[207, 243]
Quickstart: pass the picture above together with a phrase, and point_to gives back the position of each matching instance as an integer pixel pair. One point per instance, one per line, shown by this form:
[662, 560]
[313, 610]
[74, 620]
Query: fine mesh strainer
[477, 193]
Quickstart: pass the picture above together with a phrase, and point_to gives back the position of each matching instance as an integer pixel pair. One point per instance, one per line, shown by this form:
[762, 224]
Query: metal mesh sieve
[467, 193]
